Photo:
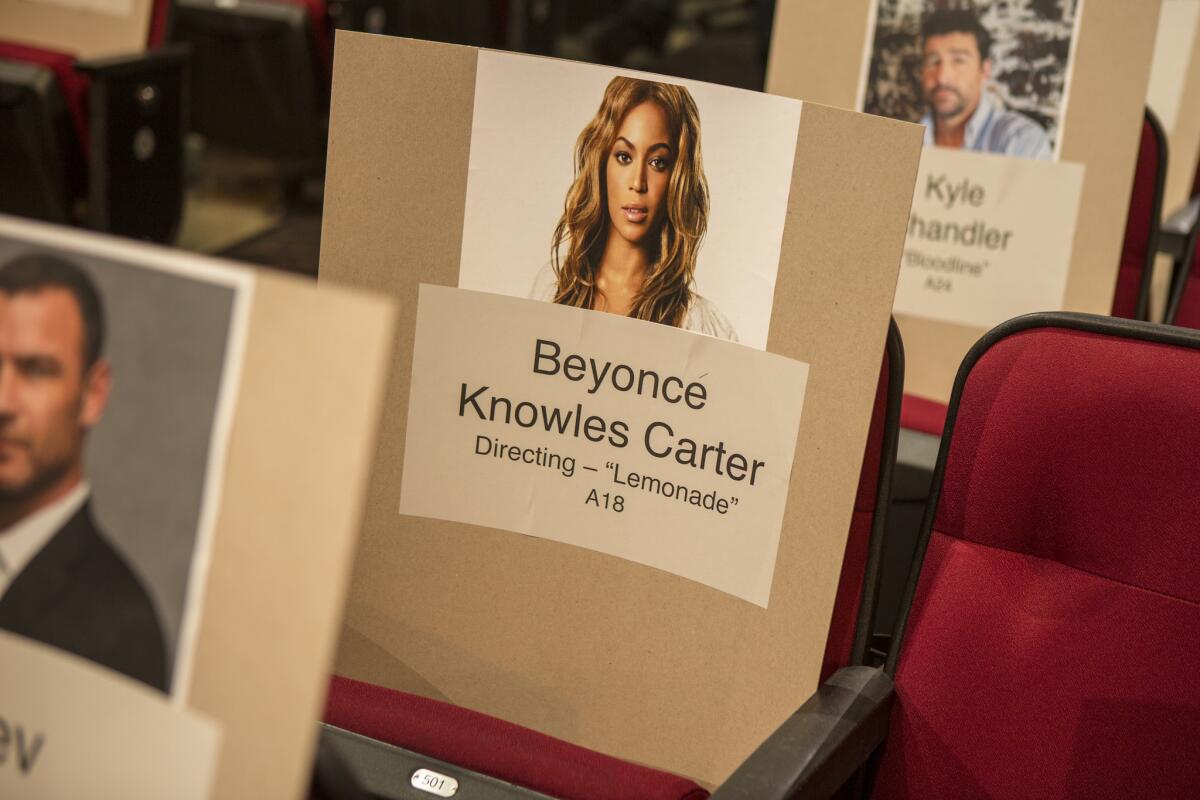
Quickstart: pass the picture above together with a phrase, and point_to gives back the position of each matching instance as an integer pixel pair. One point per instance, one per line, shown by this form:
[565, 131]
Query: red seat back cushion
[494, 747]
[1189, 304]
[1139, 225]
[920, 414]
[1050, 649]
[1129, 286]
[74, 85]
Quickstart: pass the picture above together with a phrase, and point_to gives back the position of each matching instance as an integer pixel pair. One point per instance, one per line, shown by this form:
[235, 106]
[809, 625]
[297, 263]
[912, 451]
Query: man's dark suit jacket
[78, 593]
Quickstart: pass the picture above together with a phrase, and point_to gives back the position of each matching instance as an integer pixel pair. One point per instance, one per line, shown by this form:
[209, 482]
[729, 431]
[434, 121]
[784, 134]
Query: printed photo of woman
[643, 217]
[636, 213]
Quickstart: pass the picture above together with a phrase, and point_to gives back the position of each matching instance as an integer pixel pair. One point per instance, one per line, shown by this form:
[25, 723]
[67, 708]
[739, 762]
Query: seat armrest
[332, 777]
[168, 56]
[1183, 219]
[822, 744]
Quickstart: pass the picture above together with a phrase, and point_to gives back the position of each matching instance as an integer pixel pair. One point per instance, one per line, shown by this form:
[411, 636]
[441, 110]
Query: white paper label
[625, 437]
[989, 237]
[78, 730]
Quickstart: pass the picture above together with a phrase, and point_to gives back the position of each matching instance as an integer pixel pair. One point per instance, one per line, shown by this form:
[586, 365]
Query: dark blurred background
[213, 138]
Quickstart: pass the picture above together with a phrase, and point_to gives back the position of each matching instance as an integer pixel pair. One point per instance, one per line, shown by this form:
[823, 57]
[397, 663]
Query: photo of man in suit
[61, 581]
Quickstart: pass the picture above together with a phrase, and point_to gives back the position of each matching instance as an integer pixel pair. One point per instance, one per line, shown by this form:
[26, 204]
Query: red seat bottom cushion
[919, 414]
[494, 747]
[1021, 677]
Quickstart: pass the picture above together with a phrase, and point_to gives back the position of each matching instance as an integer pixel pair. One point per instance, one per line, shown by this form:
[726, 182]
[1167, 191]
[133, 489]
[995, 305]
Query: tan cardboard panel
[817, 52]
[1182, 121]
[600, 651]
[294, 482]
[73, 28]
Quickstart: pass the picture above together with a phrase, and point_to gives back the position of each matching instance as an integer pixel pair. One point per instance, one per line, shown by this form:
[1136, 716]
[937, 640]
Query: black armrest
[332, 778]
[1184, 219]
[1175, 236]
[820, 746]
[137, 119]
[170, 56]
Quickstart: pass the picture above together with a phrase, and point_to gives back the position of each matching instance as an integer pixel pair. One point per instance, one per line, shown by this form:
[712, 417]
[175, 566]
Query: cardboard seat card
[1032, 115]
[172, 555]
[81, 28]
[642, 322]
[1173, 95]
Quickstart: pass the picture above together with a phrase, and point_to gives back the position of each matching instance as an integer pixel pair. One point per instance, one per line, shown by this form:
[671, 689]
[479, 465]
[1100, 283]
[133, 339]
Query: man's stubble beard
[41, 480]
[958, 108]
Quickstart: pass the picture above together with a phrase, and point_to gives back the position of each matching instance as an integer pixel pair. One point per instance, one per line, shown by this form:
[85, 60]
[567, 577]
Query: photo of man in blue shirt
[955, 69]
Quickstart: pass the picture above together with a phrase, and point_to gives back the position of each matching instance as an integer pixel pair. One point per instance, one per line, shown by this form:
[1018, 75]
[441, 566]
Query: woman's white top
[702, 316]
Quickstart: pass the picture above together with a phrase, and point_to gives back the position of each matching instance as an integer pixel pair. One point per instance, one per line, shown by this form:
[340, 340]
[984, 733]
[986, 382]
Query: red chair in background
[922, 415]
[1047, 647]
[99, 142]
[1131, 299]
[385, 737]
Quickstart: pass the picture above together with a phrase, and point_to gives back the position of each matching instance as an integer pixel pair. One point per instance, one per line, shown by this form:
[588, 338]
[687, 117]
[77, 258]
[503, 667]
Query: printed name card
[1037, 106]
[985, 237]
[639, 348]
[197, 545]
[636, 440]
[68, 729]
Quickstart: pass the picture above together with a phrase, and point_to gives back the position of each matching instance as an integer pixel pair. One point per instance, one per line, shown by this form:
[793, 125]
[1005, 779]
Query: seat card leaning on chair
[173, 555]
[1032, 115]
[621, 529]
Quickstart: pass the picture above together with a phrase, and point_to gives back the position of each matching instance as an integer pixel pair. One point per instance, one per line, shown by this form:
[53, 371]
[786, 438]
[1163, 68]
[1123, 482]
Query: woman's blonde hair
[667, 289]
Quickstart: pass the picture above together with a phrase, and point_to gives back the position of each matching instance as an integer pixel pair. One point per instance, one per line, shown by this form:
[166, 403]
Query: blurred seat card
[1032, 113]
[71, 729]
[985, 238]
[173, 527]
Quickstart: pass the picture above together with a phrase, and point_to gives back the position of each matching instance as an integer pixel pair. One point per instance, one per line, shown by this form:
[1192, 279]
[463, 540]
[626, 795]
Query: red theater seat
[1132, 296]
[517, 755]
[1049, 642]
[493, 747]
